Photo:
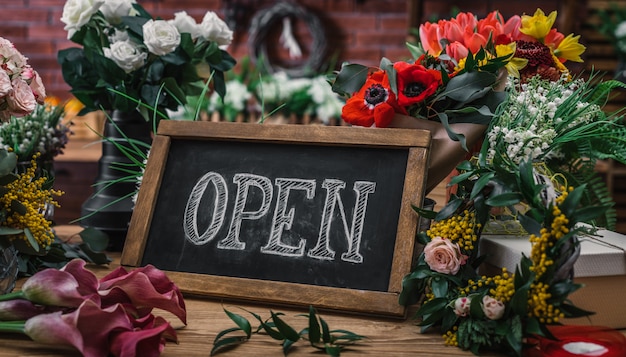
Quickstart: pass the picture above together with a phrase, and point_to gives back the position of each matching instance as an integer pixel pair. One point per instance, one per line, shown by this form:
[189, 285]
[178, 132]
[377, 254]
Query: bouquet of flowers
[544, 131]
[128, 57]
[112, 316]
[42, 132]
[455, 81]
[21, 87]
[536, 169]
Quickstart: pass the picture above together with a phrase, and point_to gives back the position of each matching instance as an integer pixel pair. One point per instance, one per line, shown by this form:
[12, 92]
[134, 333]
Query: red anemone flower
[374, 103]
[415, 83]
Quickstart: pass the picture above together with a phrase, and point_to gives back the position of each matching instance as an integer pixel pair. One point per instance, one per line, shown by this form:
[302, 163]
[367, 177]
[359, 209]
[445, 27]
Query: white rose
[126, 55]
[76, 13]
[113, 10]
[215, 29]
[160, 37]
[185, 24]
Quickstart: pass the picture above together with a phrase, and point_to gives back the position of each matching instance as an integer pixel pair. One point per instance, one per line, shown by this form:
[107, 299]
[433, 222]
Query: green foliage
[318, 334]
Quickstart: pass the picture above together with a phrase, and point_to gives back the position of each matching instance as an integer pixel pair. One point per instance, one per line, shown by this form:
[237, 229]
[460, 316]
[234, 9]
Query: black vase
[110, 207]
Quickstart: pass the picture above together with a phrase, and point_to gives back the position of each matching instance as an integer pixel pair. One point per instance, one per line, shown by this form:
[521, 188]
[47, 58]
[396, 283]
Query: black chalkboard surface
[303, 215]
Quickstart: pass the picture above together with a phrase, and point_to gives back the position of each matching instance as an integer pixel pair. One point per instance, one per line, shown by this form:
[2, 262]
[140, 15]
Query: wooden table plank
[206, 318]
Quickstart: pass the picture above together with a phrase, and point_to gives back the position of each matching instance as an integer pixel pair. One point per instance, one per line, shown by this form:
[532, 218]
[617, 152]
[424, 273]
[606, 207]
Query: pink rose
[444, 256]
[36, 85]
[21, 100]
[462, 306]
[5, 84]
[493, 309]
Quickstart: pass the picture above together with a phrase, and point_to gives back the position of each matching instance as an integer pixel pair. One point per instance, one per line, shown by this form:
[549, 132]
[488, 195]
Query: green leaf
[515, 335]
[480, 184]
[449, 209]
[469, 86]
[97, 240]
[505, 199]
[227, 342]
[439, 287]
[241, 322]
[8, 161]
[432, 306]
[314, 326]
[287, 331]
[350, 79]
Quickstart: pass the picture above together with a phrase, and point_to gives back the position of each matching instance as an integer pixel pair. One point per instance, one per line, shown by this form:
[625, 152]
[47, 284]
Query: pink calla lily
[145, 287]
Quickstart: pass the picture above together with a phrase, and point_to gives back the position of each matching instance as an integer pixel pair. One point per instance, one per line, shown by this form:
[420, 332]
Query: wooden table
[206, 318]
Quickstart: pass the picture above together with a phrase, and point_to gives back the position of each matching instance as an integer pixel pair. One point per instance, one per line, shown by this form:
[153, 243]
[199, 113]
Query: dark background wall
[355, 30]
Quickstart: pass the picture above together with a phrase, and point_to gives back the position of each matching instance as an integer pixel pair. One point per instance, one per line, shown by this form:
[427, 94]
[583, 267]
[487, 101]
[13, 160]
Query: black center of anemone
[375, 94]
[413, 89]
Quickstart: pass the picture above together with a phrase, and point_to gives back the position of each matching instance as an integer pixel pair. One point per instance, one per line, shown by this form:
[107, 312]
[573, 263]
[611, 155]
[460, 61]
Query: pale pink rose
[21, 100]
[462, 306]
[493, 309]
[444, 256]
[27, 73]
[36, 85]
[5, 84]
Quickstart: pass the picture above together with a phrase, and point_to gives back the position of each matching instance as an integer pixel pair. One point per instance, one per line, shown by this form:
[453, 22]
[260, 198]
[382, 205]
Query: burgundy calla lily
[19, 310]
[88, 328]
[147, 341]
[145, 288]
[67, 287]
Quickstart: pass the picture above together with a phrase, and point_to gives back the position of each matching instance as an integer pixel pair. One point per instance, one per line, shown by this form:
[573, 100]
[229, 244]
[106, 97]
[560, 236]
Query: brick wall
[356, 30]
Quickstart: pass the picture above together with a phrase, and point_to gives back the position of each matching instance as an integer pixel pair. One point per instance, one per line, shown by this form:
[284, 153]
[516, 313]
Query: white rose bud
[462, 306]
[160, 37]
[185, 24]
[215, 29]
[113, 10]
[493, 309]
[126, 55]
[76, 13]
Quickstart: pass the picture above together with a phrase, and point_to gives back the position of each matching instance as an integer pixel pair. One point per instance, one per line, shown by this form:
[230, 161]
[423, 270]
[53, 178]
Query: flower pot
[109, 208]
[445, 154]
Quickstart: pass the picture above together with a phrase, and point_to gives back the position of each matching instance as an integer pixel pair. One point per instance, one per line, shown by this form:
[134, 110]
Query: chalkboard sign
[288, 214]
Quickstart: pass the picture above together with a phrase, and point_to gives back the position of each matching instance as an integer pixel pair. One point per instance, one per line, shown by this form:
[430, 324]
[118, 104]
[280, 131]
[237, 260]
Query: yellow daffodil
[537, 25]
[514, 65]
[570, 49]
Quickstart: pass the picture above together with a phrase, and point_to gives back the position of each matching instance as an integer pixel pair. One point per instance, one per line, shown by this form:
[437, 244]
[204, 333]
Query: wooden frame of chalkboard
[240, 165]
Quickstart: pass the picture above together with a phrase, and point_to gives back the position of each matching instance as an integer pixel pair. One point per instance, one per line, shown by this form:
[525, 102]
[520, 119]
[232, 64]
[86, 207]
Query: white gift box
[601, 267]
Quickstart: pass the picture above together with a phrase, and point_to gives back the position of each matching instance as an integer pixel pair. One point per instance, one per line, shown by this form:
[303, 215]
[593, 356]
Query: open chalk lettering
[282, 218]
[284, 214]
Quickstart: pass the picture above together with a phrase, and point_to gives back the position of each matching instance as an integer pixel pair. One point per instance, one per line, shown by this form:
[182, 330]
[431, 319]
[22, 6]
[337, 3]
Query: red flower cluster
[110, 316]
[376, 103]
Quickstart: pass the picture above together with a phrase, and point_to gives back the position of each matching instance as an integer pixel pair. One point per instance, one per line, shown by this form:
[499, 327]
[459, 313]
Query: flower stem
[12, 296]
[12, 326]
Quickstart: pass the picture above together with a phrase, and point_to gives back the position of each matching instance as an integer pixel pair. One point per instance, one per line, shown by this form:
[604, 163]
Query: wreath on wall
[282, 13]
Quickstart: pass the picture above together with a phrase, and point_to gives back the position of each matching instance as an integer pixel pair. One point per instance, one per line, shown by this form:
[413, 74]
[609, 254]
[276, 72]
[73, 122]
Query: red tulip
[145, 288]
